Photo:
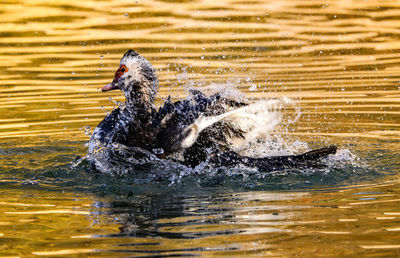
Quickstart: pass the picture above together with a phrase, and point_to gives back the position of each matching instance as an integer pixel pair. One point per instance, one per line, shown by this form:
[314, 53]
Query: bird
[189, 131]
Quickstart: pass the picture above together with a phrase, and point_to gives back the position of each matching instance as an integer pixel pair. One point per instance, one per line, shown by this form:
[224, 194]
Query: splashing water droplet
[87, 130]
[253, 87]
[158, 151]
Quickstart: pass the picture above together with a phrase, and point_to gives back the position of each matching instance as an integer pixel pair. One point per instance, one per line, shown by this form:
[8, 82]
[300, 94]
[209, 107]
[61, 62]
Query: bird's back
[174, 118]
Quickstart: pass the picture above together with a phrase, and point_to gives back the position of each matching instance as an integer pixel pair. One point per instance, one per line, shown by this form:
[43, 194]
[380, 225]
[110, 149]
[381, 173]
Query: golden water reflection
[339, 60]
[275, 223]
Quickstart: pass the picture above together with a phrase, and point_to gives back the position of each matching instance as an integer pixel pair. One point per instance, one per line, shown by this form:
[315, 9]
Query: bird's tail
[315, 154]
[307, 159]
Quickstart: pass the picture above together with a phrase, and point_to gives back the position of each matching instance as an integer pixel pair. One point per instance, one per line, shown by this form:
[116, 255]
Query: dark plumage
[171, 131]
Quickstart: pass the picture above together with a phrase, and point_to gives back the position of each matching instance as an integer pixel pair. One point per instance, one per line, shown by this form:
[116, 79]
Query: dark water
[338, 60]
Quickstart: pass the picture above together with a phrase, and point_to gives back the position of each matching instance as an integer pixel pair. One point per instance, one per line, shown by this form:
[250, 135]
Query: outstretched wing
[216, 105]
[172, 121]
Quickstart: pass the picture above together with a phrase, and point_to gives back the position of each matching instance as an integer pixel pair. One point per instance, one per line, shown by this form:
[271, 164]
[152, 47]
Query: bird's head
[136, 78]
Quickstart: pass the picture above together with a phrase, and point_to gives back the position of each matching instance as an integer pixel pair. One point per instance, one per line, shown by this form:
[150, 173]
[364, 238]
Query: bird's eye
[123, 69]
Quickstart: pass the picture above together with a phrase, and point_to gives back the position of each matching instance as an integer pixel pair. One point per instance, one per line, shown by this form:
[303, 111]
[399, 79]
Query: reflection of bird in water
[190, 131]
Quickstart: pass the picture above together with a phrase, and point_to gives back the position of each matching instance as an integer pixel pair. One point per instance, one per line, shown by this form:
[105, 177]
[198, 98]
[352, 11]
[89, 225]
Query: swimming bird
[189, 131]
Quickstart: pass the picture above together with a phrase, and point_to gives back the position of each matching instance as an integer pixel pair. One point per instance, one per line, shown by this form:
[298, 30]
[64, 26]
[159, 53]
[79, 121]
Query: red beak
[114, 84]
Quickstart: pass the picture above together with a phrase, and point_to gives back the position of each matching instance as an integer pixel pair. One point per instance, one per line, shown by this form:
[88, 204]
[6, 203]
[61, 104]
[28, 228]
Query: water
[337, 60]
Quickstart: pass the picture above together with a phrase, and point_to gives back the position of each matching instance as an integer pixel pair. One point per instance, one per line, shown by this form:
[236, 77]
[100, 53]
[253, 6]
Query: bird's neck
[139, 101]
[141, 96]
[137, 105]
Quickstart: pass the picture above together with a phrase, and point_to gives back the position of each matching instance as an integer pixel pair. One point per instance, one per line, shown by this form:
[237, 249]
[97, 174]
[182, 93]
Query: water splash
[225, 90]
[258, 120]
[264, 122]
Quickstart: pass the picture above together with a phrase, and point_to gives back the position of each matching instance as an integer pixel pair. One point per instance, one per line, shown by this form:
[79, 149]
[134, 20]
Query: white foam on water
[345, 157]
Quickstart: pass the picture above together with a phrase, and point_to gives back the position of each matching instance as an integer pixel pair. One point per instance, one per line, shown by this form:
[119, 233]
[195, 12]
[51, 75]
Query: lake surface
[338, 60]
